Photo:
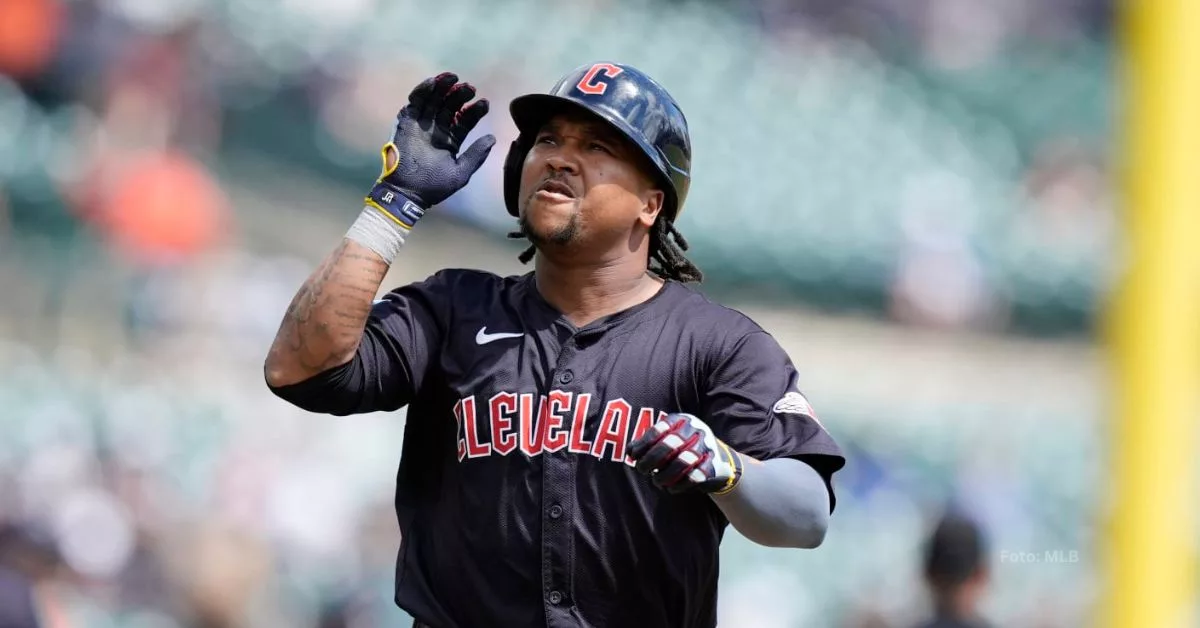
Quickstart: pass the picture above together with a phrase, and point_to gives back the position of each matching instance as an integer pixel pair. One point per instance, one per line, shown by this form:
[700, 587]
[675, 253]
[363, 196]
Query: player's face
[583, 182]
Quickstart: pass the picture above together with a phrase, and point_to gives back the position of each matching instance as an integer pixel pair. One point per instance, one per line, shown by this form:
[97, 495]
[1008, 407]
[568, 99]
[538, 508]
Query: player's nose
[563, 160]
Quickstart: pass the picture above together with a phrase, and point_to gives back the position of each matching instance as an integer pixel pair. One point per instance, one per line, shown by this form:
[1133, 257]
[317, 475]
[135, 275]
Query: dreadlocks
[666, 253]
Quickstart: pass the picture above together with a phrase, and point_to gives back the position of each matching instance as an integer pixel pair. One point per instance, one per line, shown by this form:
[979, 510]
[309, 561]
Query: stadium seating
[819, 151]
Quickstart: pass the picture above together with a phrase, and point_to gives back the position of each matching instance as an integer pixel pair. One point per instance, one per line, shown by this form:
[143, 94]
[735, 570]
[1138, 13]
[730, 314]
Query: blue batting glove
[421, 164]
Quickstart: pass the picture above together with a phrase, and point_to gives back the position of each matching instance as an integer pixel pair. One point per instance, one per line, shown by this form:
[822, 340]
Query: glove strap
[390, 201]
[736, 461]
[386, 220]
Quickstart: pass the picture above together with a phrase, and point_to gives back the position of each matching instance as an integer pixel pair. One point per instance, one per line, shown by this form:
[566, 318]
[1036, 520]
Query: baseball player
[578, 437]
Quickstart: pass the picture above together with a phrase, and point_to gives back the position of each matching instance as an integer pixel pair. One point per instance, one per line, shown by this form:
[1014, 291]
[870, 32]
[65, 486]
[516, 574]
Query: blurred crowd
[158, 486]
[128, 497]
[945, 33]
[123, 112]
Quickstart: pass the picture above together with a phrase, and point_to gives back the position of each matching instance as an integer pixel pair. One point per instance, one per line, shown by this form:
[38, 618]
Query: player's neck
[586, 292]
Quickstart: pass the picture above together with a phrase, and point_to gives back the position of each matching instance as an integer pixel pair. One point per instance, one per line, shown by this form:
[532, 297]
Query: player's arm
[759, 452]
[336, 348]
[324, 323]
[780, 502]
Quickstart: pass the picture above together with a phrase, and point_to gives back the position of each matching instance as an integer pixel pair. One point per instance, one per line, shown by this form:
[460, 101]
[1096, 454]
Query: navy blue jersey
[517, 503]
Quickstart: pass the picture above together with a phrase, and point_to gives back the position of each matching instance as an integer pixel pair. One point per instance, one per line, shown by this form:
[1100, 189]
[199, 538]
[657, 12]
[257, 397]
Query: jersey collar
[667, 298]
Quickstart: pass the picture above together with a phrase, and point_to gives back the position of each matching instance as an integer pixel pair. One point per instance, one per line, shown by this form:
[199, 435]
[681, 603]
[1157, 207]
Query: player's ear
[652, 205]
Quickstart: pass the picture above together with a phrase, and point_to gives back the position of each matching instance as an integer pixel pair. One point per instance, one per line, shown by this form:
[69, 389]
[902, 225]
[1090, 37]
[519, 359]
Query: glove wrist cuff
[394, 204]
[735, 460]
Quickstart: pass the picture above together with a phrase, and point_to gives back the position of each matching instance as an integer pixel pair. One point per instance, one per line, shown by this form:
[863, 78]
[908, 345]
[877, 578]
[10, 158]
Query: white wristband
[379, 233]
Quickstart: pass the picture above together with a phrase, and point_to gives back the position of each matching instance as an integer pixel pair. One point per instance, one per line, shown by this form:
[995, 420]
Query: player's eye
[544, 138]
[600, 147]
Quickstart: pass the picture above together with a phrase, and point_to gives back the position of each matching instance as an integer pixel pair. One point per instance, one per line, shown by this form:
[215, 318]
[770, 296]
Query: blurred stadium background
[913, 195]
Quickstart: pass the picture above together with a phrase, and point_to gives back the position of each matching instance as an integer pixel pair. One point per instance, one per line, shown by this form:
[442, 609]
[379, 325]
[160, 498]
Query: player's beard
[560, 236]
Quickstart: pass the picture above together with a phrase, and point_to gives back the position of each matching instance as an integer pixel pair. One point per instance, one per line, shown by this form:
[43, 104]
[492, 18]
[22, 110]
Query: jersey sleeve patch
[795, 403]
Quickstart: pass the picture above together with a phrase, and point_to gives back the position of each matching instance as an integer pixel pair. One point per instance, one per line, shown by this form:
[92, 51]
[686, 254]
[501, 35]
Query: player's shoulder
[718, 331]
[701, 311]
[473, 279]
[449, 286]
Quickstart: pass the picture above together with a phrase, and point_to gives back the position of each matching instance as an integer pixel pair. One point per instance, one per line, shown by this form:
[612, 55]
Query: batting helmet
[624, 97]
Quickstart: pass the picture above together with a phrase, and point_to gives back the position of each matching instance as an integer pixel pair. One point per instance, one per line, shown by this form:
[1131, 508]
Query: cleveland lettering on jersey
[533, 424]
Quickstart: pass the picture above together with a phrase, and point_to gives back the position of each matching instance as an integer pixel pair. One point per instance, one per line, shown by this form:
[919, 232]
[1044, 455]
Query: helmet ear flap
[513, 164]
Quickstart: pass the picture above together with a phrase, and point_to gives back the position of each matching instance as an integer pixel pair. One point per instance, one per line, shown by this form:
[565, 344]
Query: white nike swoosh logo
[482, 338]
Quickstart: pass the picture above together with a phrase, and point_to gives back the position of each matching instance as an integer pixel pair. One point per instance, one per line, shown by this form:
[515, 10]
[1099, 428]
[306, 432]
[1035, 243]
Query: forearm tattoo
[324, 322]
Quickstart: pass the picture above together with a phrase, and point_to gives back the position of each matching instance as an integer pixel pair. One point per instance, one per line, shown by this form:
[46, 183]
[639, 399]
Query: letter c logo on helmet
[588, 84]
[626, 99]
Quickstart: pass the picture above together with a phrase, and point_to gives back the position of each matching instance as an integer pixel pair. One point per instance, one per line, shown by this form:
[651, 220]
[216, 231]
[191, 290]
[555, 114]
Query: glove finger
[459, 95]
[472, 158]
[658, 456]
[643, 448]
[420, 96]
[642, 444]
[437, 98]
[466, 119]
[676, 472]
[664, 451]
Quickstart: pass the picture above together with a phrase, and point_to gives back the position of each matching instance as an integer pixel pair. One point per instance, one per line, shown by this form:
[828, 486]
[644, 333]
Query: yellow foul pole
[1150, 577]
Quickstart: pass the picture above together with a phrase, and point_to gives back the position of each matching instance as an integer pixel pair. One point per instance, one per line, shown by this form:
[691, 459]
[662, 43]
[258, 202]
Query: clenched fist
[681, 453]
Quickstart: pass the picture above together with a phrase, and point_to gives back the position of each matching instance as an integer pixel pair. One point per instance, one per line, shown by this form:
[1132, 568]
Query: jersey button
[566, 377]
[556, 597]
[555, 511]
